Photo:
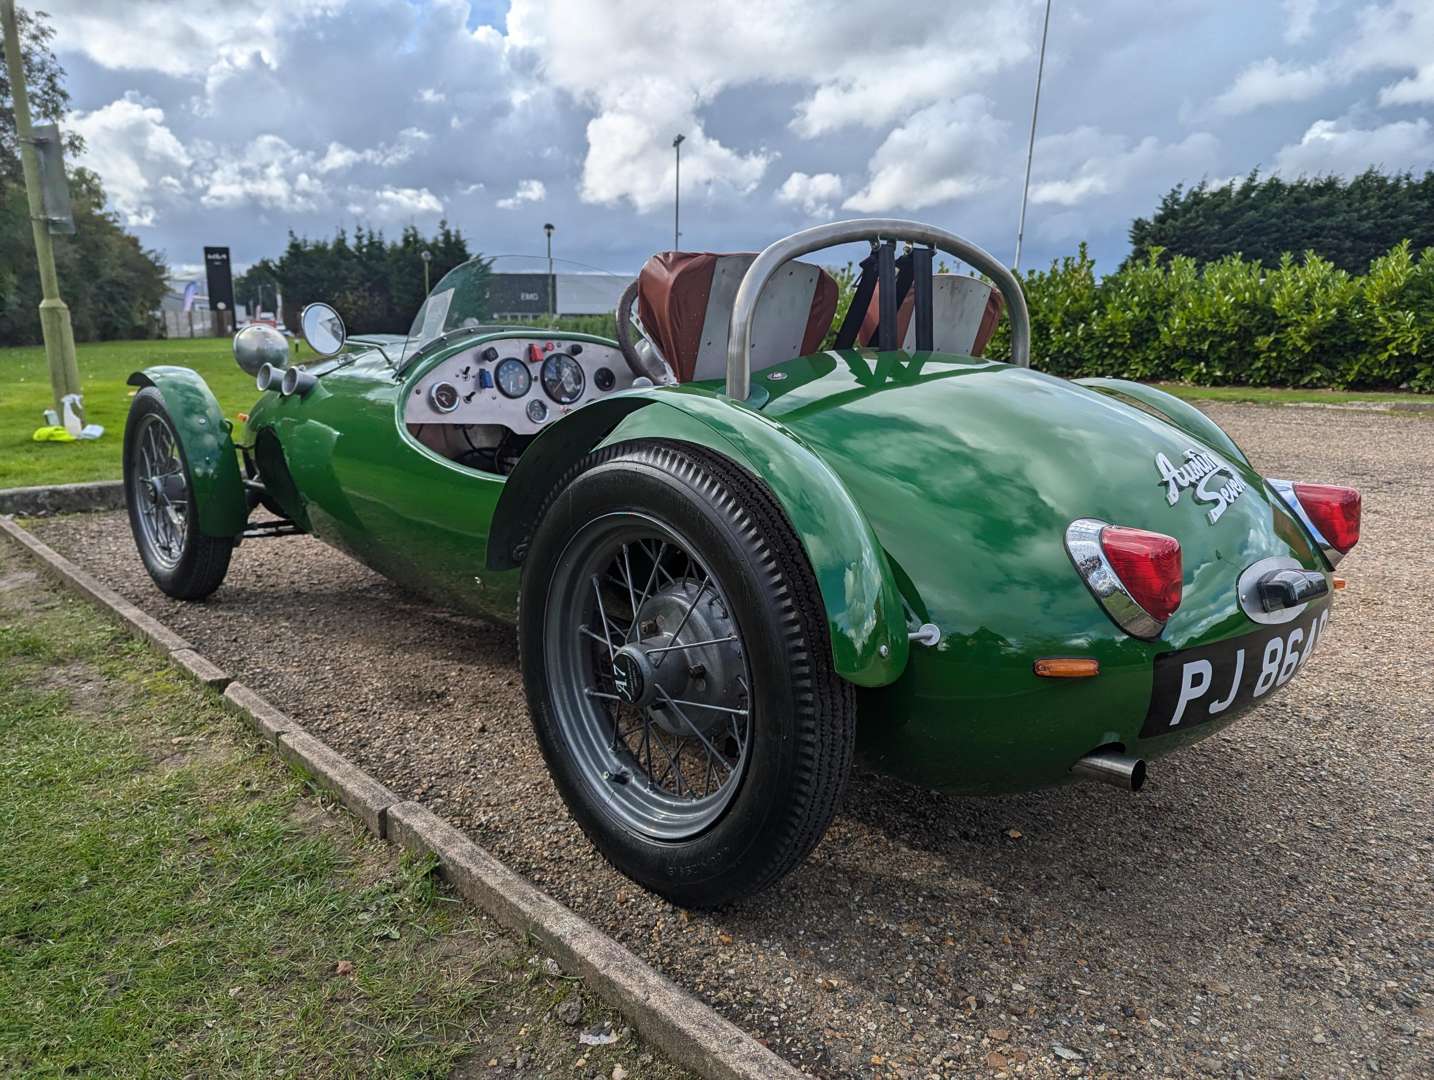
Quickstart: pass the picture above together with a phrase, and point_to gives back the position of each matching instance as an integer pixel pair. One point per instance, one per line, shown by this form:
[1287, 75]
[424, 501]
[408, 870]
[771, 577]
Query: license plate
[1214, 682]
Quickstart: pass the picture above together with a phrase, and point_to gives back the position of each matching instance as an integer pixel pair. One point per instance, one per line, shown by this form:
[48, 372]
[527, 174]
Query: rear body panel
[969, 472]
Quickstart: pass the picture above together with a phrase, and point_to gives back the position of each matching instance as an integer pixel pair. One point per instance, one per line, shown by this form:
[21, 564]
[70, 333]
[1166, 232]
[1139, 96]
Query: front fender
[865, 614]
[1179, 413]
[218, 489]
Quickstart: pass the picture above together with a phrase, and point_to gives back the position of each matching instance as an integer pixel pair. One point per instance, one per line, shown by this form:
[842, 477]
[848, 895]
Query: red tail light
[1148, 565]
[1334, 512]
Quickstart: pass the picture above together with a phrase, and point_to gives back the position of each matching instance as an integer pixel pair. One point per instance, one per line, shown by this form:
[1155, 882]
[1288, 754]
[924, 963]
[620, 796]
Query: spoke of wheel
[631, 596]
[691, 644]
[704, 705]
[596, 637]
[711, 750]
[646, 589]
[687, 615]
[606, 628]
[590, 692]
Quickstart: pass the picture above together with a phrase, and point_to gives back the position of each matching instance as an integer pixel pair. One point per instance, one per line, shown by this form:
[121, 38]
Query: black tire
[183, 562]
[802, 717]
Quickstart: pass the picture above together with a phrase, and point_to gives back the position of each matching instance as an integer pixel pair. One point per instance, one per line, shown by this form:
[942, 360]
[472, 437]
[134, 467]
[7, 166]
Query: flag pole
[1031, 146]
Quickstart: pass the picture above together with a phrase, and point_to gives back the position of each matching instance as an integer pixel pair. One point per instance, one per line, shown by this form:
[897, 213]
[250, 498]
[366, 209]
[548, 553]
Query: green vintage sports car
[736, 558]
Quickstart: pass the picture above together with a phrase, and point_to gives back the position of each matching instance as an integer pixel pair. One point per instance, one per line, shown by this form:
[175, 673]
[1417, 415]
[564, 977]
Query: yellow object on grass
[52, 433]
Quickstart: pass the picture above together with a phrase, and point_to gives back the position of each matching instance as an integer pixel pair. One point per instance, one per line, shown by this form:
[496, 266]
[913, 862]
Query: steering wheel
[651, 367]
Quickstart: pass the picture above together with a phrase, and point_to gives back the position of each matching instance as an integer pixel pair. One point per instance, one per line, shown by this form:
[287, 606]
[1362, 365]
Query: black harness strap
[923, 313]
[860, 301]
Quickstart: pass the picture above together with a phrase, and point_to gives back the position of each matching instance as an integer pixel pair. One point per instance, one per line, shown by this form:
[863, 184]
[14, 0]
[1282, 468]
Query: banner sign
[517, 294]
[54, 188]
[221, 281]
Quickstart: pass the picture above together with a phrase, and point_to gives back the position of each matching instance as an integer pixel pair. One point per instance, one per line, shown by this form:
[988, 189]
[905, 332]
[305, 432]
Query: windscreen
[457, 301]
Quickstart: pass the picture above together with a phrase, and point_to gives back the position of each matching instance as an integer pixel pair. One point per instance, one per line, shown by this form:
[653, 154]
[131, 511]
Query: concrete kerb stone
[689, 1032]
[62, 498]
[201, 669]
[267, 721]
[365, 797]
[134, 620]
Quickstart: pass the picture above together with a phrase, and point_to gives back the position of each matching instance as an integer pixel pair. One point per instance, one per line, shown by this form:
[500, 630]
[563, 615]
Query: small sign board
[219, 278]
[54, 188]
[517, 294]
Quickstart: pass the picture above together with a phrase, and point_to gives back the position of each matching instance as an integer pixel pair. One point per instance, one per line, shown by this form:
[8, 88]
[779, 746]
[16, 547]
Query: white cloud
[430, 96]
[1331, 146]
[1270, 82]
[132, 149]
[945, 151]
[1397, 37]
[1300, 19]
[402, 202]
[664, 64]
[528, 191]
[816, 195]
[1093, 163]
[195, 40]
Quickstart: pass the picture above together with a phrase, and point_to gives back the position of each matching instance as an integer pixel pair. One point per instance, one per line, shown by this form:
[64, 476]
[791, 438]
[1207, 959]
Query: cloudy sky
[220, 123]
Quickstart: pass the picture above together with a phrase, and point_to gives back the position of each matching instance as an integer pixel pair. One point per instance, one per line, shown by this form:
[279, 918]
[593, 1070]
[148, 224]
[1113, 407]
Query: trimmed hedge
[1235, 322]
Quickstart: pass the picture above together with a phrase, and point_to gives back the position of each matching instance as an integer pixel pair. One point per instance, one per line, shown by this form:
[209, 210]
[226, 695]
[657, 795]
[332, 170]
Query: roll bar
[744, 307]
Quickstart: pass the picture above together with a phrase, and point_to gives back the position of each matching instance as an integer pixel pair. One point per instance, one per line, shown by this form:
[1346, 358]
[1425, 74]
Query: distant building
[184, 309]
[521, 296]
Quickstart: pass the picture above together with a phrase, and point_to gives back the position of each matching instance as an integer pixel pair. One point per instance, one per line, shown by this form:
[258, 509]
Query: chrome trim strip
[1285, 489]
[744, 307]
[1083, 546]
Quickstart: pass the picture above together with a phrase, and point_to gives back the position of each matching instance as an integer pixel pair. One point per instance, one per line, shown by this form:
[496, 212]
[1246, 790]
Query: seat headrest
[685, 304]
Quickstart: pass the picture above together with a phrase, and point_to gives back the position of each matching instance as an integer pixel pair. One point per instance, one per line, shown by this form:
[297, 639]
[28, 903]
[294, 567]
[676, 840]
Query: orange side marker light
[1339, 583]
[1057, 667]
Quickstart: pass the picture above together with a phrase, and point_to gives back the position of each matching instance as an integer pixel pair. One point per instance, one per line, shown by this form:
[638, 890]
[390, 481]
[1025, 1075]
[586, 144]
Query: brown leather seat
[685, 304]
[995, 305]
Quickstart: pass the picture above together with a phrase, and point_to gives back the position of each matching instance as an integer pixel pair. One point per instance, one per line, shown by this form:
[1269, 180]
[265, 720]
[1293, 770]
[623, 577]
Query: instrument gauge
[563, 378]
[604, 379]
[537, 411]
[443, 397]
[513, 377]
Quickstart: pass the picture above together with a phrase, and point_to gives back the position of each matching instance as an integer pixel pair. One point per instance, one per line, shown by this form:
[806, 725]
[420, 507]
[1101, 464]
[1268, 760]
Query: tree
[375, 284]
[1349, 222]
[111, 284]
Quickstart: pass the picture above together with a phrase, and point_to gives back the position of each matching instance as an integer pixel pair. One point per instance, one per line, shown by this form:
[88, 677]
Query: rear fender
[1180, 414]
[865, 614]
[208, 444]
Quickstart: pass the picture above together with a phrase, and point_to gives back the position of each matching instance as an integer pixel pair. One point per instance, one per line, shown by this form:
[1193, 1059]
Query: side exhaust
[1117, 769]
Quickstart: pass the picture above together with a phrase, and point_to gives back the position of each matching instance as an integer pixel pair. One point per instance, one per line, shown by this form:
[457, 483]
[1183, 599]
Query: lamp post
[55, 325]
[1031, 147]
[677, 194]
[548, 229]
[427, 257]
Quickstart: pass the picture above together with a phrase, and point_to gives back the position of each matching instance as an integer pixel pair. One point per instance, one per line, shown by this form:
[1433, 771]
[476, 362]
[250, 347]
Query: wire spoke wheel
[653, 689]
[159, 490]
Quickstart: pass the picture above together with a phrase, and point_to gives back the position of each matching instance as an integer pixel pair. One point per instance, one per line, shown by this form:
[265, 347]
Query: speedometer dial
[513, 378]
[563, 378]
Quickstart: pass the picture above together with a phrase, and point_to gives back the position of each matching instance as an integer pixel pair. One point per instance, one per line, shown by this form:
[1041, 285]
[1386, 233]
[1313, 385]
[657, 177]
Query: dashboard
[519, 382]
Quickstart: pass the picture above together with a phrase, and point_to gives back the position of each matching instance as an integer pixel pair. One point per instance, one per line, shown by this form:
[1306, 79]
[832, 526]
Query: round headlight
[257, 345]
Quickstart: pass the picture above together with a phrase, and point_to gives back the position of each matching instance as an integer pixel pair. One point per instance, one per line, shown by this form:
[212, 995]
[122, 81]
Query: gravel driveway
[1263, 908]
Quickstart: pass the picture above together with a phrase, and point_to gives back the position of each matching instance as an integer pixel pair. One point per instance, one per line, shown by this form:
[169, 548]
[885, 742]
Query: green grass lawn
[174, 902]
[104, 367]
[1280, 395]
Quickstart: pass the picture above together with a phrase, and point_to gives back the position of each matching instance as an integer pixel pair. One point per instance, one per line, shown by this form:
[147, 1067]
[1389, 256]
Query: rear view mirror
[322, 328]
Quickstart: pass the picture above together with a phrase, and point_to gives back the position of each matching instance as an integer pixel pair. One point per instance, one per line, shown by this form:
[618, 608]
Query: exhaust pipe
[1117, 769]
